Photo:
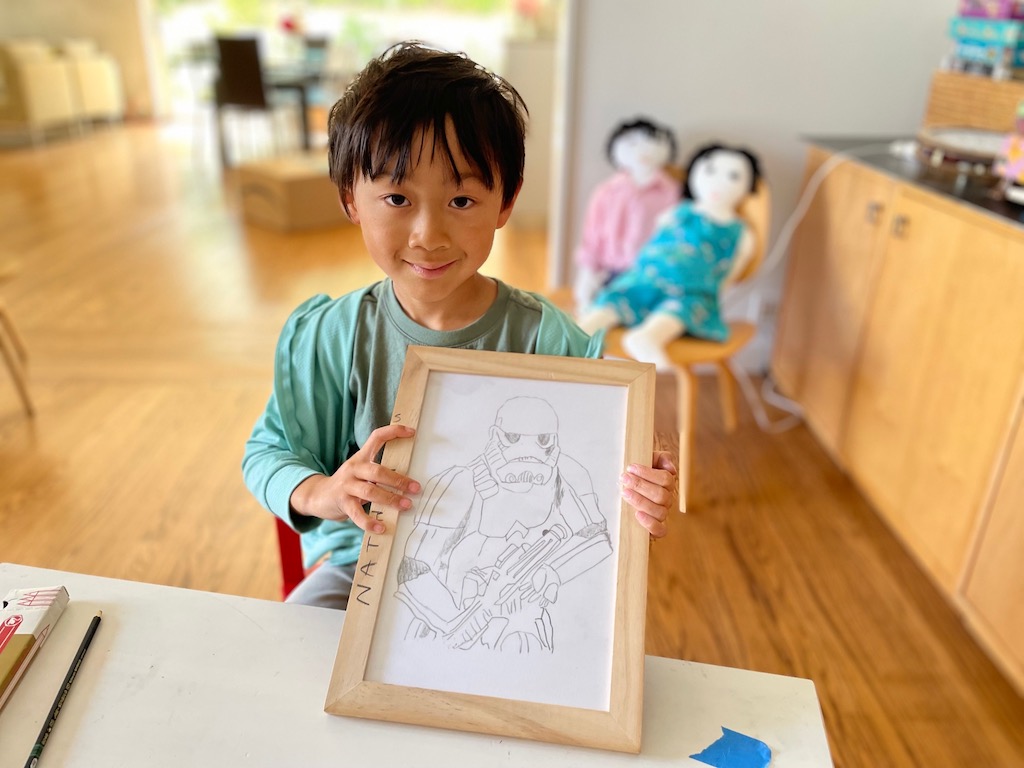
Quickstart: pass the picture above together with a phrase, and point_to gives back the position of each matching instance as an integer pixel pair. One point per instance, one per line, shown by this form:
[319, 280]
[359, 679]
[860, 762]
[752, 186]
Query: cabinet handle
[899, 225]
[874, 211]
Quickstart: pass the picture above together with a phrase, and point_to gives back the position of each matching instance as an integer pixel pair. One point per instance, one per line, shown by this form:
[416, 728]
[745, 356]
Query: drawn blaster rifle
[497, 585]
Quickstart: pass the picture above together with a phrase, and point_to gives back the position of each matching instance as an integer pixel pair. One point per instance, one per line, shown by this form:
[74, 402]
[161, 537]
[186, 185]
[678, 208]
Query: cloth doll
[699, 247]
[622, 210]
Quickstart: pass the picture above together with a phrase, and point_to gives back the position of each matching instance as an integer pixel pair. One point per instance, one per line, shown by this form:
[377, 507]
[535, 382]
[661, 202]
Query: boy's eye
[396, 200]
[461, 203]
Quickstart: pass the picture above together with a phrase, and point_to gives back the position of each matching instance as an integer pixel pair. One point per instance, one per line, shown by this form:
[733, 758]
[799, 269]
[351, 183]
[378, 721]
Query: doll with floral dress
[623, 209]
[699, 247]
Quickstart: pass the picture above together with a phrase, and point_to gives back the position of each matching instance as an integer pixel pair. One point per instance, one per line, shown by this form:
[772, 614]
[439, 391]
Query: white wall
[528, 66]
[752, 72]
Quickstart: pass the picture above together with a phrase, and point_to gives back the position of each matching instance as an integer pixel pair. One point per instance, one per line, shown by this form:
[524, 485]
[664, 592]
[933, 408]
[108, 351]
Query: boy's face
[431, 235]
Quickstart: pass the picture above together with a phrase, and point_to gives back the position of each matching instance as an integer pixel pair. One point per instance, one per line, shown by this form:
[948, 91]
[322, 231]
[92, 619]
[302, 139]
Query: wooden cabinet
[832, 264]
[901, 334]
[993, 597]
[936, 380]
[892, 368]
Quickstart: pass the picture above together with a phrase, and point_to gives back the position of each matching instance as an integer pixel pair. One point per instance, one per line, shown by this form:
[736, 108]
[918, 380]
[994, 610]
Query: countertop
[975, 195]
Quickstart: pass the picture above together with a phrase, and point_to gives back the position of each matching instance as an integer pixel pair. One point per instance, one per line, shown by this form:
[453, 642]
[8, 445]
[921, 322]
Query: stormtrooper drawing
[497, 538]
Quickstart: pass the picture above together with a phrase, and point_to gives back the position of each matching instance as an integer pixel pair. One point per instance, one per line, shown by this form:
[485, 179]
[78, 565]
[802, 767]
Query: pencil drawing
[495, 539]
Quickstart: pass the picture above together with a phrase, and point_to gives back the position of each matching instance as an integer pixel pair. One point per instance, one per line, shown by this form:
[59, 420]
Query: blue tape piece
[736, 750]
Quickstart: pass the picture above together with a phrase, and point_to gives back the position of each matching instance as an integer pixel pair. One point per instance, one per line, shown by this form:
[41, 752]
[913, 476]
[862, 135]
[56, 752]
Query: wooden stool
[685, 353]
[13, 349]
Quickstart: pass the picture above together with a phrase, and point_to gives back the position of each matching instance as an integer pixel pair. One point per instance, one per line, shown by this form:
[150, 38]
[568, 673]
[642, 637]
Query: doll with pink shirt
[623, 210]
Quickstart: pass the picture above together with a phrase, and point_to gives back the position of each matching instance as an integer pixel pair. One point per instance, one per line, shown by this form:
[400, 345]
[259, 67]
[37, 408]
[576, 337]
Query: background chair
[12, 347]
[316, 54]
[95, 81]
[316, 51]
[687, 352]
[35, 88]
[240, 84]
[290, 547]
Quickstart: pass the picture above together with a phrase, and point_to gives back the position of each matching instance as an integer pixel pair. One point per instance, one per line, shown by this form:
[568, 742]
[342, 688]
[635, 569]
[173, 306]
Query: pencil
[69, 678]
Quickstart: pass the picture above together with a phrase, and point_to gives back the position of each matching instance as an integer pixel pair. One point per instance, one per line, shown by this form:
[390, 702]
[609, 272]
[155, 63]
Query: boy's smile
[431, 234]
[431, 273]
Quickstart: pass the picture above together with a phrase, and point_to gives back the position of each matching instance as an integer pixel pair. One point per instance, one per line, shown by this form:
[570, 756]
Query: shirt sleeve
[306, 423]
[272, 471]
[559, 335]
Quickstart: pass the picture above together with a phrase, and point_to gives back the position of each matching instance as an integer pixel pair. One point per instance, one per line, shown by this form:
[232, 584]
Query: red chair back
[292, 569]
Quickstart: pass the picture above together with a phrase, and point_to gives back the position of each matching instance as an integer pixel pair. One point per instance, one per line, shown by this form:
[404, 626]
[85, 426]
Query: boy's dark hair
[648, 127]
[411, 88]
[755, 166]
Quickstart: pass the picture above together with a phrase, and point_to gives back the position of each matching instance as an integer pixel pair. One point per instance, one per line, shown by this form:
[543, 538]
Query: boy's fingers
[363, 521]
[379, 494]
[656, 528]
[385, 476]
[652, 497]
[663, 460]
[658, 475]
[651, 509]
[355, 512]
[381, 435]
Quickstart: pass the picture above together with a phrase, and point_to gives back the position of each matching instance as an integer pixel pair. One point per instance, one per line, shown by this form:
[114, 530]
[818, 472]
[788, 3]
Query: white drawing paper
[502, 577]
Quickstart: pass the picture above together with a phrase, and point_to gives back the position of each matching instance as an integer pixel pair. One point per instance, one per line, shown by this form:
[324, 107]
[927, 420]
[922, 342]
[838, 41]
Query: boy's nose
[429, 231]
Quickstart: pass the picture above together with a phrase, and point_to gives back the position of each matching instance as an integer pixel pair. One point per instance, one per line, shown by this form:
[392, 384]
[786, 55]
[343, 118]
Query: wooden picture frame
[400, 628]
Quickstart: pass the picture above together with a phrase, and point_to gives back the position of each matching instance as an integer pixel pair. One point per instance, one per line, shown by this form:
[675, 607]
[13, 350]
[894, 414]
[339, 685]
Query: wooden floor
[151, 312]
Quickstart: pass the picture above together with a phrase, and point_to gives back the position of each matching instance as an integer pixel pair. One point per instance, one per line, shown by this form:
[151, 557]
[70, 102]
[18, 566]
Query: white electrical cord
[755, 301]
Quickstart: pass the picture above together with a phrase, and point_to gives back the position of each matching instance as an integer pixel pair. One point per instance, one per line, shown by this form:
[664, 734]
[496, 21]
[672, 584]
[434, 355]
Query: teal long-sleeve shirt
[330, 351]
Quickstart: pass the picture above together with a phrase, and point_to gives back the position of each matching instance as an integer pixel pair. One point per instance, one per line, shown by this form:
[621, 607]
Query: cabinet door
[963, 413]
[831, 268]
[936, 379]
[994, 591]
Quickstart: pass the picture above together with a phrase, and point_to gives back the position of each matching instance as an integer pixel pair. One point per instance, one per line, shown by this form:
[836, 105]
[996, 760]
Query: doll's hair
[412, 90]
[755, 165]
[650, 128]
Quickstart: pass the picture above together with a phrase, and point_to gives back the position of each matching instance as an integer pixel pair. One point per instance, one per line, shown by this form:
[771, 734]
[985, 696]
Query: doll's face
[640, 153]
[721, 178]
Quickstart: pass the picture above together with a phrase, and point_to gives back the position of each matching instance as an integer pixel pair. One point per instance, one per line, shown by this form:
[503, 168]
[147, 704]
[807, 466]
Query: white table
[177, 677]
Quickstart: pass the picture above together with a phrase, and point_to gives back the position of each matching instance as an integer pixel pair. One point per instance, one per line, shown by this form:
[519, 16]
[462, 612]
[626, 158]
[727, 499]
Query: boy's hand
[357, 481]
[652, 491]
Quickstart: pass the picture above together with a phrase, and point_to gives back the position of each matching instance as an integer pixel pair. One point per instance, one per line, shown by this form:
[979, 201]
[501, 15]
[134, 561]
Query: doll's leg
[586, 286]
[598, 319]
[648, 340]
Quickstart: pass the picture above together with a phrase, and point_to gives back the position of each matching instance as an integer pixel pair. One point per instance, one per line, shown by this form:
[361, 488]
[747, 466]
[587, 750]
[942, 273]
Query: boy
[426, 149]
